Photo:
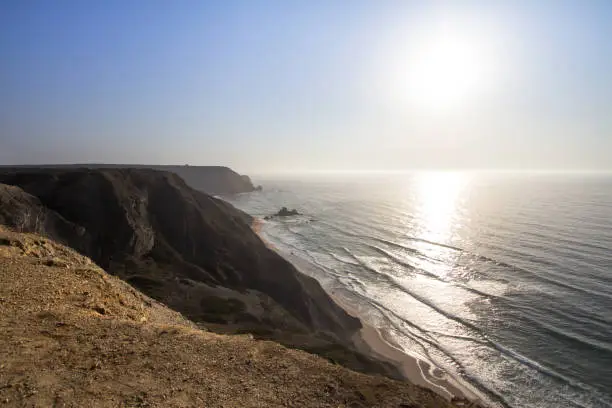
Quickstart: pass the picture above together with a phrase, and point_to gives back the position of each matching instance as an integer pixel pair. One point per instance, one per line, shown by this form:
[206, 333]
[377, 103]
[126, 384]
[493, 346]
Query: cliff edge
[192, 252]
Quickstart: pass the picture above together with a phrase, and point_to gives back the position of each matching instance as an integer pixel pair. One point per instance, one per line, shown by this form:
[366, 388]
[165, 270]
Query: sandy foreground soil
[73, 336]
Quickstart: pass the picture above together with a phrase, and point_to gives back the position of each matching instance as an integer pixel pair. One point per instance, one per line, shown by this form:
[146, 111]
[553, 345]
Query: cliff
[215, 180]
[194, 253]
[73, 336]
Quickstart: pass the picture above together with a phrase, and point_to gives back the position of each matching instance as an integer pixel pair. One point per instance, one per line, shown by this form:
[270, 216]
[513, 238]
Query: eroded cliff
[193, 252]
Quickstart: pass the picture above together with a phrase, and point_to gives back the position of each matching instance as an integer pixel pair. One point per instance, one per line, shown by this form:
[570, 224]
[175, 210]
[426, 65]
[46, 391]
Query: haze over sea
[504, 280]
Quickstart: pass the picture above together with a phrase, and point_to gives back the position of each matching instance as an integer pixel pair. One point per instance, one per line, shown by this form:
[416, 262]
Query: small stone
[100, 309]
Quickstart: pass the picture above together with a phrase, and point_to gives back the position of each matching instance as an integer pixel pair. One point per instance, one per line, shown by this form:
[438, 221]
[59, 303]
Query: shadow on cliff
[193, 252]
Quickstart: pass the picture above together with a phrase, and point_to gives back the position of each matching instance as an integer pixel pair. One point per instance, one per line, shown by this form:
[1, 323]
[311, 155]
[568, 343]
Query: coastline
[377, 343]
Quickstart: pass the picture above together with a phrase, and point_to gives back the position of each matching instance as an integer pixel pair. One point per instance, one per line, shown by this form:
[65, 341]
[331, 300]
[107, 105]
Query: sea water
[503, 280]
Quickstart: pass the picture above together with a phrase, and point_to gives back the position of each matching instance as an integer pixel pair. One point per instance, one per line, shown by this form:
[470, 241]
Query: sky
[278, 86]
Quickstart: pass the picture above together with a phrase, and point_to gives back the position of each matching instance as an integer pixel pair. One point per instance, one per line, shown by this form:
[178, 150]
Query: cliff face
[73, 336]
[25, 212]
[210, 179]
[129, 218]
[195, 253]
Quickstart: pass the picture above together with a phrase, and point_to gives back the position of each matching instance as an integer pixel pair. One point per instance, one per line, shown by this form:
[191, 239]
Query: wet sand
[375, 342]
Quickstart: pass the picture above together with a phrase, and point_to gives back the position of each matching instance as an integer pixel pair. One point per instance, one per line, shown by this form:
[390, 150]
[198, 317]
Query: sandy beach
[374, 341]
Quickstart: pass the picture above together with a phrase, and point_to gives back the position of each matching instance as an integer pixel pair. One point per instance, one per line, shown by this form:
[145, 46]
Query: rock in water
[283, 212]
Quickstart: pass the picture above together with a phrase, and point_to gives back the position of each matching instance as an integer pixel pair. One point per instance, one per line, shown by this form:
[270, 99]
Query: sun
[446, 71]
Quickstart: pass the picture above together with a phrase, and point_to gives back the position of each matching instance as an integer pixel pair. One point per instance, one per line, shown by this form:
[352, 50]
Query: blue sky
[266, 86]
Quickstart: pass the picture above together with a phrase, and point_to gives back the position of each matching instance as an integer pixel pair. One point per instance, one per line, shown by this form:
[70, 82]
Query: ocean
[503, 280]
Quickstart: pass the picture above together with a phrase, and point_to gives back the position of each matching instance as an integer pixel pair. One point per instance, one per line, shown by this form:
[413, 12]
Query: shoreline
[375, 342]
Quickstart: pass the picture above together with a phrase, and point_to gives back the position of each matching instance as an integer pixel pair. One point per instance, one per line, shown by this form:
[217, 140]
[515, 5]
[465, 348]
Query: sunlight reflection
[437, 195]
[437, 198]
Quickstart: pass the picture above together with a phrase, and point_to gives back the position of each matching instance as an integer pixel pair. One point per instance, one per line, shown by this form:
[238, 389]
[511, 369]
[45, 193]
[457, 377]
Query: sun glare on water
[438, 194]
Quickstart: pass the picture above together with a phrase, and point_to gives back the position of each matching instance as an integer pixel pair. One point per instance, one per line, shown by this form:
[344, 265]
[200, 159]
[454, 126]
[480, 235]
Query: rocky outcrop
[24, 212]
[215, 180]
[193, 252]
[283, 212]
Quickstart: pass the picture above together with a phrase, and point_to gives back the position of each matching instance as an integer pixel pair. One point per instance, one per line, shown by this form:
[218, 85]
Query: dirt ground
[73, 336]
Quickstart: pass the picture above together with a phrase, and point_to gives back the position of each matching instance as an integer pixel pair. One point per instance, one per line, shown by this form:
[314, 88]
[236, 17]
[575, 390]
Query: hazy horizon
[268, 87]
[315, 172]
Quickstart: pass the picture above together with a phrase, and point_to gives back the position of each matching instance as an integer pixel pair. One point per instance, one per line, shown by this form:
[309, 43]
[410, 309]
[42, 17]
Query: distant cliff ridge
[215, 180]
